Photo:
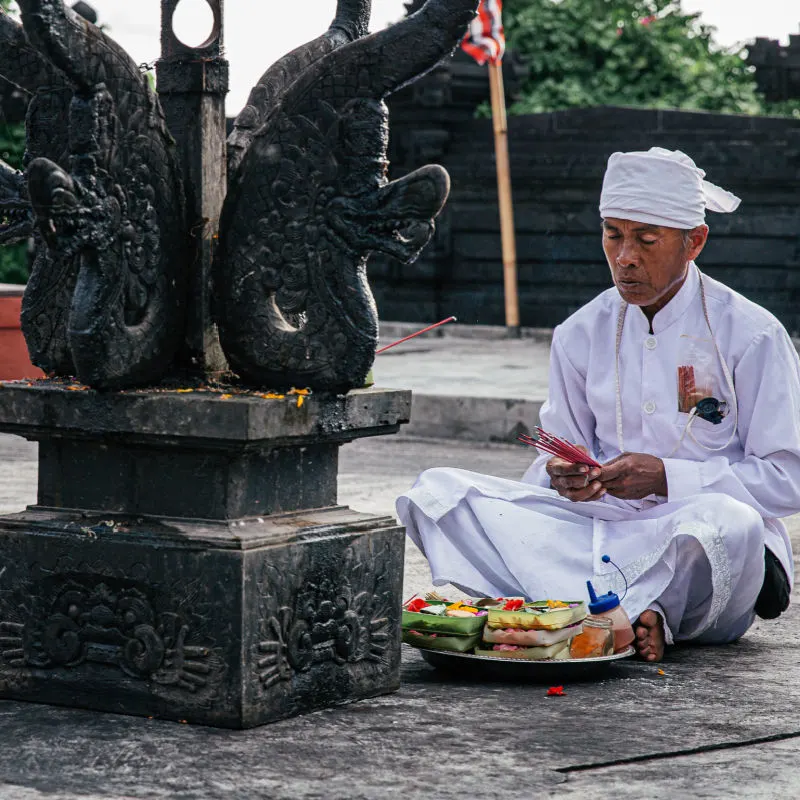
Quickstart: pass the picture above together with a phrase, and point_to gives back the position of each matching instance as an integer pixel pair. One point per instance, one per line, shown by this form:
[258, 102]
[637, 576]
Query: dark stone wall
[777, 67]
[557, 162]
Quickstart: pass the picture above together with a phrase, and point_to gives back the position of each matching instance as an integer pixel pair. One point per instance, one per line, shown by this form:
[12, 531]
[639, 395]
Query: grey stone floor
[473, 367]
[720, 722]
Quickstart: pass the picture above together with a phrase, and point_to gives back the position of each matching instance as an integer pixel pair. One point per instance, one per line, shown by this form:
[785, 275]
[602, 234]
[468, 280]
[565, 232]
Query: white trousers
[699, 561]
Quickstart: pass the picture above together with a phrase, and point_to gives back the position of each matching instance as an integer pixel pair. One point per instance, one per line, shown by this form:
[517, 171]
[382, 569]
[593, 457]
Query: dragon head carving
[101, 192]
[310, 200]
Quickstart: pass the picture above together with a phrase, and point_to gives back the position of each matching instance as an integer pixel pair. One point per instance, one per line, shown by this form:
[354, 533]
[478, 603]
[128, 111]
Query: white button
[650, 343]
[649, 407]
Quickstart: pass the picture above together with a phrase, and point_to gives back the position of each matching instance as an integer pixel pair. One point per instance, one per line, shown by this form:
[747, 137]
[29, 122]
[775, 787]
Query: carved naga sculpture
[102, 194]
[309, 200]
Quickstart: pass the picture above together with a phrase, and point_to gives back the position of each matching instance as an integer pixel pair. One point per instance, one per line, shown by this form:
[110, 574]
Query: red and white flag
[485, 39]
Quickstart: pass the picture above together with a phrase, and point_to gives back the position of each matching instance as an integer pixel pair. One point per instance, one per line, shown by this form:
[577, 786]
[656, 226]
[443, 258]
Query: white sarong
[699, 560]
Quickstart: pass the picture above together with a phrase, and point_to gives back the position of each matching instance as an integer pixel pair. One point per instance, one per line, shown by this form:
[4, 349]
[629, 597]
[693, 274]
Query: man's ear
[697, 241]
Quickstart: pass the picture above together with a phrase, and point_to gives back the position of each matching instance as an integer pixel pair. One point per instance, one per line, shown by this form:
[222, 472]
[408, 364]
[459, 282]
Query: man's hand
[576, 482]
[633, 476]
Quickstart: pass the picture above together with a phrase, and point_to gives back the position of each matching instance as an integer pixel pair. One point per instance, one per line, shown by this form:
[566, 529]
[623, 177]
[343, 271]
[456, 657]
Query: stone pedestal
[187, 558]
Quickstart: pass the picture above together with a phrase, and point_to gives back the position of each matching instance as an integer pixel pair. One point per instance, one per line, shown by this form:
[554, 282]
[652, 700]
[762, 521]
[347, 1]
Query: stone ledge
[42, 409]
[477, 419]
[98, 526]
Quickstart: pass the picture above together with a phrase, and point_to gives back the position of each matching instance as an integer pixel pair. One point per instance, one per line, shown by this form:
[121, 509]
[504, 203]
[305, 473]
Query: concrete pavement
[469, 382]
[708, 722]
[719, 722]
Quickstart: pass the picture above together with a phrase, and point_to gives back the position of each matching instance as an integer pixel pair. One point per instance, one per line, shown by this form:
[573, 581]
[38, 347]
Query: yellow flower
[225, 396]
[184, 391]
[300, 399]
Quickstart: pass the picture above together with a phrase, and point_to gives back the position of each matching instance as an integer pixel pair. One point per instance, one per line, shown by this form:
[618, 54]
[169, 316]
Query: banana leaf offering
[438, 641]
[548, 615]
[442, 616]
[505, 627]
[439, 624]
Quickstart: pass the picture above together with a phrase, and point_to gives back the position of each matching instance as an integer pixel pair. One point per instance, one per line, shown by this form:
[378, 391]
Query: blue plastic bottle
[607, 605]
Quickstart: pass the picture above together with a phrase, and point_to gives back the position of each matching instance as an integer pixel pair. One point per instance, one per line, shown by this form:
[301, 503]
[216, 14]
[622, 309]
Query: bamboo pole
[500, 123]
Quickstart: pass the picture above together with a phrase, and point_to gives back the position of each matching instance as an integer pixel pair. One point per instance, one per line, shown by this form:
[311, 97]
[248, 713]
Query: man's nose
[627, 256]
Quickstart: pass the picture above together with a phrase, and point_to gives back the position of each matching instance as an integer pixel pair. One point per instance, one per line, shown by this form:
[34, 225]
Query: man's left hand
[633, 476]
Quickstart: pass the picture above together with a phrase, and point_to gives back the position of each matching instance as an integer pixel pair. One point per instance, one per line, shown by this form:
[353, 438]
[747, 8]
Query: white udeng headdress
[661, 187]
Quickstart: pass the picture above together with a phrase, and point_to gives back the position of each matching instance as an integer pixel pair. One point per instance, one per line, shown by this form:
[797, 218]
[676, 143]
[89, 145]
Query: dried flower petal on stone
[555, 691]
[661, 672]
[225, 396]
[184, 391]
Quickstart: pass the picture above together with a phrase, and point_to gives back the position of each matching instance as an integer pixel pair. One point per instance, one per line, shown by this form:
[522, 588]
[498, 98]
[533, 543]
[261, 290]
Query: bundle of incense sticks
[549, 443]
[687, 390]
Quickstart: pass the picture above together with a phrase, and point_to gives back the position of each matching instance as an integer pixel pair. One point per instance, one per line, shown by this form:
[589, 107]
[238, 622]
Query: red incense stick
[555, 446]
[418, 333]
[570, 450]
[566, 455]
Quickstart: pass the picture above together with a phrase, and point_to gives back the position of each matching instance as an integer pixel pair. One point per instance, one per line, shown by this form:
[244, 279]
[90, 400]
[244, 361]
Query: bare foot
[649, 631]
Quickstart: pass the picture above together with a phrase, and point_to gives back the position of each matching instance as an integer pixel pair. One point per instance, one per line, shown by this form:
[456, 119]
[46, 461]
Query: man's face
[649, 262]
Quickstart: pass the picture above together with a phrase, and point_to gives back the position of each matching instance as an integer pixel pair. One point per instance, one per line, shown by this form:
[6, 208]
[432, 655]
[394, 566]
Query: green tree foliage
[645, 53]
[13, 260]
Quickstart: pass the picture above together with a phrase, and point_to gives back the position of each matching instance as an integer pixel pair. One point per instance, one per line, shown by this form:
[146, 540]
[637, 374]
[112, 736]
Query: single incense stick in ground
[418, 333]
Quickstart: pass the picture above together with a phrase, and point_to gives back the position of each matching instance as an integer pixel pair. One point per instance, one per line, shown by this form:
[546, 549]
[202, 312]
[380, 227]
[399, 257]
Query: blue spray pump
[608, 605]
[605, 602]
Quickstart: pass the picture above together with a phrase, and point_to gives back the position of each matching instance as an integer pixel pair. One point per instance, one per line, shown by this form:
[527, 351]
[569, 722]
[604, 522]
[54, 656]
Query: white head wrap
[661, 187]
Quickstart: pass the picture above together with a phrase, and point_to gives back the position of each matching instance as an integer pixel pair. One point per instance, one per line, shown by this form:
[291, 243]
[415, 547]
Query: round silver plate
[571, 669]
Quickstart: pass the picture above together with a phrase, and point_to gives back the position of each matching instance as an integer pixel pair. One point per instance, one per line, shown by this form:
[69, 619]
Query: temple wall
[557, 162]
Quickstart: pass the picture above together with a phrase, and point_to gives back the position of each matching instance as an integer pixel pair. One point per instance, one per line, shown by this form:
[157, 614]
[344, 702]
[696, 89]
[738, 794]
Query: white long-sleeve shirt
[759, 467]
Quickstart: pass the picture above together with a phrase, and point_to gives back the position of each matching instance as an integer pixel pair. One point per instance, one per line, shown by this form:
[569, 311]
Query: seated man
[688, 394]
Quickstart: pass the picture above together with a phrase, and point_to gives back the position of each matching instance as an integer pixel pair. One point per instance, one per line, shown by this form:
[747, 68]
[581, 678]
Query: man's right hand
[576, 482]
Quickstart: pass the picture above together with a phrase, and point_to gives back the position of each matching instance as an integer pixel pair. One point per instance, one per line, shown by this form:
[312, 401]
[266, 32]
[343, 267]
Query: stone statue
[187, 557]
[309, 200]
[102, 195]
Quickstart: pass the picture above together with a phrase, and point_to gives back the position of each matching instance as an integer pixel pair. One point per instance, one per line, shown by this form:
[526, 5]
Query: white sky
[257, 32]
